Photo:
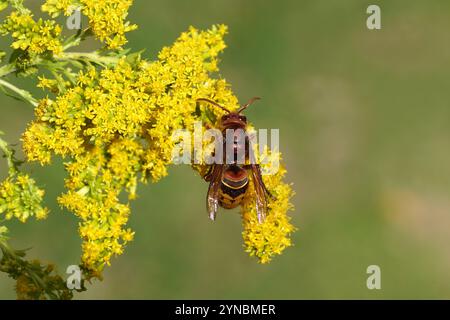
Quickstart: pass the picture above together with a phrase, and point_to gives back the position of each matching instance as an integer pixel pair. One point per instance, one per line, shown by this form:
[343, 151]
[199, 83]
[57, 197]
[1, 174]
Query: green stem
[90, 57]
[7, 69]
[25, 95]
[71, 44]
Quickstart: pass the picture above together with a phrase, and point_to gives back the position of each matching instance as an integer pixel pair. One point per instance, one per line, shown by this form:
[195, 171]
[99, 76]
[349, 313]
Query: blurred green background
[365, 133]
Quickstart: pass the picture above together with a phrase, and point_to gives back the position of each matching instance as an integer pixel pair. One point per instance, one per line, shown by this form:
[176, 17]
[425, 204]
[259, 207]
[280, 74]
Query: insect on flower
[228, 181]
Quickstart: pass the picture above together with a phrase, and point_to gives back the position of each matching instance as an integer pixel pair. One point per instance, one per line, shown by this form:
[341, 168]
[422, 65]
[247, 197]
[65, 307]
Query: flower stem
[7, 69]
[92, 57]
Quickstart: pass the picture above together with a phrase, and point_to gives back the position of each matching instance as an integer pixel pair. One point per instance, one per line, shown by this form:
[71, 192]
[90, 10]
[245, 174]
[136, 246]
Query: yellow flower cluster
[50, 84]
[35, 37]
[55, 7]
[95, 182]
[106, 17]
[264, 240]
[116, 124]
[21, 198]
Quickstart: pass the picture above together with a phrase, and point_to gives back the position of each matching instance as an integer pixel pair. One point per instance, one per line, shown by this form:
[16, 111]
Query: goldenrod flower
[35, 37]
[21, 198]
[112, 124]
[264, 240]
[116, 124]
[55, 7]
[50, 84]
[113, 128]
[107, 18]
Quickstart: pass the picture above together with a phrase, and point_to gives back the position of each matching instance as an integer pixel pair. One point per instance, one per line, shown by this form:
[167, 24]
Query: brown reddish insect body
[228, 182]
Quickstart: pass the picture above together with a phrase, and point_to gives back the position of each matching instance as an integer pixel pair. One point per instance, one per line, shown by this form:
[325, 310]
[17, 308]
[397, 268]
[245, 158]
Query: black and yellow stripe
[233, 188]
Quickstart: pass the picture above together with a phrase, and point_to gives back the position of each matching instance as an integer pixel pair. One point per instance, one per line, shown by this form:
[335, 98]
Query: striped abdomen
[234, 186]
